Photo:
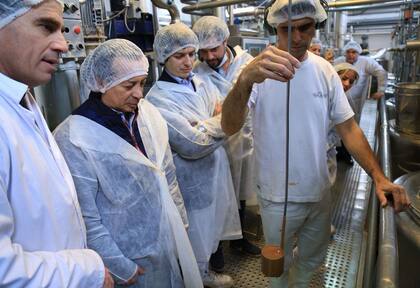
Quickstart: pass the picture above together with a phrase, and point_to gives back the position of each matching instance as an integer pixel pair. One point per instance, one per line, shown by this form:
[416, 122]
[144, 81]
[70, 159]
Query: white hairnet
[111, 63]
[346, 66]
[353, 45]
[211, 31]
[316, 42]
[278, 12]
[12, 9]
[173, 38]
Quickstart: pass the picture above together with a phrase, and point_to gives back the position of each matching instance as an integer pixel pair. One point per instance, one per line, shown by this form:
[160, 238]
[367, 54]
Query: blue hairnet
[12, 9]
[112, 63]
[278, 12]
[211, 31]
[353, 45]
[173, 38]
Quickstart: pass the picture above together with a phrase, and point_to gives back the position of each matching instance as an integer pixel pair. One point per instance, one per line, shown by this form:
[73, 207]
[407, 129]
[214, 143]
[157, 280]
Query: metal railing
[387, 261]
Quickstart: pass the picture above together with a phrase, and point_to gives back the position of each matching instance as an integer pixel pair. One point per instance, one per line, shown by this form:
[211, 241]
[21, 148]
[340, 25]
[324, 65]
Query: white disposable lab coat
[126, 200]
[239, 146]
[201, 163]
[43, 237]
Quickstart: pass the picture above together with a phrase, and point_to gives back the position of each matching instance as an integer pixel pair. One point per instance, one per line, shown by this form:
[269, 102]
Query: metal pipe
[211, 4]
[156, 68]
[387, 273]
[254, 12]
[367, 7]
[231, 19]
[413, 45]
[172, 9]
[355, 2]
[372, 228]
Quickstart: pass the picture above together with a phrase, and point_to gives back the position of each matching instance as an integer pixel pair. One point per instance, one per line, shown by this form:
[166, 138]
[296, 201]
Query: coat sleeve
[188, 141]
[170, 173]
[98, 236]
[20, 268]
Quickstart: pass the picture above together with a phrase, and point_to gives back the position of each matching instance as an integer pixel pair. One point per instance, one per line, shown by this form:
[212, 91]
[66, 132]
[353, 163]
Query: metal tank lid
[409, 220]
[411, 183]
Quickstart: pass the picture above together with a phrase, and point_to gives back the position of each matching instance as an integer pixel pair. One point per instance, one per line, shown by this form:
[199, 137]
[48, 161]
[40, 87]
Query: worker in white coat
[221, 64]
[316, 100]
[116, 144]
[189, 106]
[366, 67]
[43, 237]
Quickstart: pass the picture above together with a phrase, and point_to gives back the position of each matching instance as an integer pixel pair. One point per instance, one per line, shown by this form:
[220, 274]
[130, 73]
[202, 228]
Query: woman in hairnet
[116, 145]
[189, 106]
[349, 75]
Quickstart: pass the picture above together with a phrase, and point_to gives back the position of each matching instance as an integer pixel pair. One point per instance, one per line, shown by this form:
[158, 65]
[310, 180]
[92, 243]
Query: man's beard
[214, 66]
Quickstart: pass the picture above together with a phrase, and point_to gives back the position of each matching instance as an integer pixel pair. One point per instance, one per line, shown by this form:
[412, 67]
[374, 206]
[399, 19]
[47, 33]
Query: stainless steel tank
[408, 107]
[408, 227]
[405, 150]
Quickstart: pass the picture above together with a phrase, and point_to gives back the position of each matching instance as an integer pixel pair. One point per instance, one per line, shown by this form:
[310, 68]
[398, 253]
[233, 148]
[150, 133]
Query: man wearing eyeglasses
[317, 99]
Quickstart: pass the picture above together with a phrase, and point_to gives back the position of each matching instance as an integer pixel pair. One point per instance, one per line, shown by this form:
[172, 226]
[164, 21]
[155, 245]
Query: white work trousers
[310, 223]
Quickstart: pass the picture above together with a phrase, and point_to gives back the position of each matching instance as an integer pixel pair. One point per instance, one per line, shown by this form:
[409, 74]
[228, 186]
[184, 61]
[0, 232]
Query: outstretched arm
[355, 141]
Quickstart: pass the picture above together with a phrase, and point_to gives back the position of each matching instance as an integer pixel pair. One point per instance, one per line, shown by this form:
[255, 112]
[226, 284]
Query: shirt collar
[12, 89]
[182, 80]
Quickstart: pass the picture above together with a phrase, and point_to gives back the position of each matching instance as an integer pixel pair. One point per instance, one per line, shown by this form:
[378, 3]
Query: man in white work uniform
[367, 67]
[221, 65]
[43, 237]
[317, 99]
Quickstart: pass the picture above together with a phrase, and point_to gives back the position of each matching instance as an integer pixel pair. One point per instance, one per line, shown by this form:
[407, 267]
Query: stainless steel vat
[408, 229]
[405, 150]
[408, 107]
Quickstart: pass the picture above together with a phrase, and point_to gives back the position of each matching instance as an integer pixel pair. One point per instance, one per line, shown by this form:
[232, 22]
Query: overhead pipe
[367, 6]
[254, 12]
[332, 7]
[336, 6]
[192, 9]
[348, 3]
[172, 9]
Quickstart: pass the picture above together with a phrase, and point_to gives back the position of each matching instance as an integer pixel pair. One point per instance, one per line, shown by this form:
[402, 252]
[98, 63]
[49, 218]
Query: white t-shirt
[317, 98]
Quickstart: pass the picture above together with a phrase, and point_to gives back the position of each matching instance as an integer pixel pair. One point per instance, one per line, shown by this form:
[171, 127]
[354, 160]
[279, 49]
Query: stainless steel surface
[387, 274]
[367, 266]
[407, 97]
[172, 9]
[60, 96]
[408, 223]
[355, 3]
[405, 151]
[367, 6]
[411, 183]
[73, 30]
[211, 4]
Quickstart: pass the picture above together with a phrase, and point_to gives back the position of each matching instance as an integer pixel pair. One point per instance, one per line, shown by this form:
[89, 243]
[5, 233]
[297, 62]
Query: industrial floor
[350, 200]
